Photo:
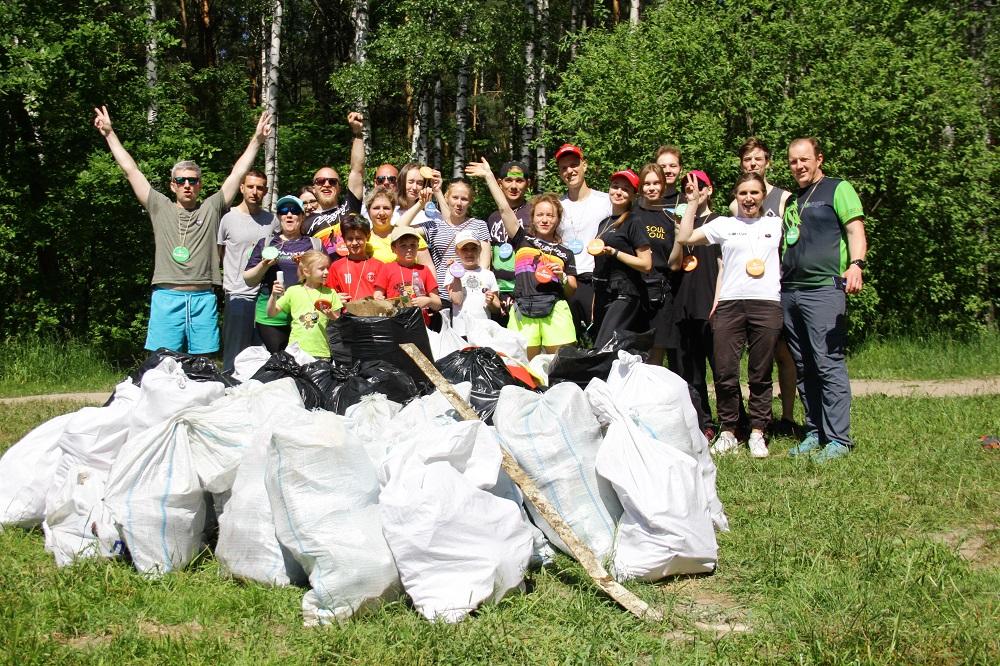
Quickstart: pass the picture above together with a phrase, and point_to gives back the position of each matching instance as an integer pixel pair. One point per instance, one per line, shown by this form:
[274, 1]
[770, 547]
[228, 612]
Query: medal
[342, 249]
[689, 263]
[180, 254]
[575, 246]
[792, 235]
[506, 250]
[679, 210]
[323, 306]
[543, 274]
[269, 253]
[595, 247]
[457, 270]
[755, 267]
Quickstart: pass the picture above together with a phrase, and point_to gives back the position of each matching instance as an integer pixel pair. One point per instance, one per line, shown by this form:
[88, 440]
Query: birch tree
[461, 120]
[359, 47]
[530, 84]
[271, 145]
[151, 47]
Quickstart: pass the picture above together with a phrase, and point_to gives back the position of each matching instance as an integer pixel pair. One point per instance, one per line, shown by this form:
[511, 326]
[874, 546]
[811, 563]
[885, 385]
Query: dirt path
[938, 388]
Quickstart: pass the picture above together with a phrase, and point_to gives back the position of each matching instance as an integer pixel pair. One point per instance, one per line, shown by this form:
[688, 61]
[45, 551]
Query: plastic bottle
[418, 285]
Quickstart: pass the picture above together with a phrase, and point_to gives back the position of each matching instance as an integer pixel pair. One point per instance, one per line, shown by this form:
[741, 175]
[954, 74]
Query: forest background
[902, 94]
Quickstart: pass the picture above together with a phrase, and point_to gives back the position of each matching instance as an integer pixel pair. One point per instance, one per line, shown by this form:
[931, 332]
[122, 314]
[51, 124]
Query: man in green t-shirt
[823, 257]
[183, 313]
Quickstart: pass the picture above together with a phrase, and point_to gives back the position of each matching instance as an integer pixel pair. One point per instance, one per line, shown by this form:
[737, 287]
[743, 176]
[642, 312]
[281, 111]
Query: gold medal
[755, 268]
[689, 263]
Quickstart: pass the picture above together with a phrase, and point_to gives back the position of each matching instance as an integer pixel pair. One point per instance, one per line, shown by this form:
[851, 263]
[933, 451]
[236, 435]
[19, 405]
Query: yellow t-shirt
[380, 248]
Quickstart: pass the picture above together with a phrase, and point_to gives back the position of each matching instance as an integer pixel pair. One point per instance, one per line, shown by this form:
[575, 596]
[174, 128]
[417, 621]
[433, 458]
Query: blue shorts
[176, 317]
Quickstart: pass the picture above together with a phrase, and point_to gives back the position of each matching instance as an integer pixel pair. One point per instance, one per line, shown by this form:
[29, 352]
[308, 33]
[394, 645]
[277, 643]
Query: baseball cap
[704, 180]
[289, 199]
[631, 176]
[465, 237]
[511, 168]
[568, 149]
[399, 232]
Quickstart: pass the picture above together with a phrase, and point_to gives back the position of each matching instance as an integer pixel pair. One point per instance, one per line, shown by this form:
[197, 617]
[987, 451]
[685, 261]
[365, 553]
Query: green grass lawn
[927, 357]
[890, 556]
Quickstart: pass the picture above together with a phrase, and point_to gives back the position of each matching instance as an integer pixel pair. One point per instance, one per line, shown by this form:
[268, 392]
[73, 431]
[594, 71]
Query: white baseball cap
[465, 237]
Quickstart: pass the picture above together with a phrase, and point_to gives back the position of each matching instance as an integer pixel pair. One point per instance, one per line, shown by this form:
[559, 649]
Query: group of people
[649, 255]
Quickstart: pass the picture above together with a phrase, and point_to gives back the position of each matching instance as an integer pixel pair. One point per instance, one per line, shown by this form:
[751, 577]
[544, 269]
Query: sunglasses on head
[332, 182]
[385, 179]
[285, 210]
[193, 180]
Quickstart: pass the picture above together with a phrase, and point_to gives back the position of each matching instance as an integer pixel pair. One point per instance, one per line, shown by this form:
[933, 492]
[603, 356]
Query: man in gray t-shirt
[239, 231]
[183, 315]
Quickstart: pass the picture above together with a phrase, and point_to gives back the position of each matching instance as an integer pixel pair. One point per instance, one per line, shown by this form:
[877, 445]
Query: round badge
[323, 306]
[595, 247]
[457, 270]
[472, 282]
[543, 274]
[426, 173]
[342, 249]
[506, 251]
[575, 246]
[679, 210]
[755, 267]
[431, 209]
[792, 235]
[689, 263]
[269, 253]
[180, 254]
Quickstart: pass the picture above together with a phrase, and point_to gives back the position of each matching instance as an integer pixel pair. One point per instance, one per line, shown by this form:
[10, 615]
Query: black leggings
[275, 337]
[616, 312]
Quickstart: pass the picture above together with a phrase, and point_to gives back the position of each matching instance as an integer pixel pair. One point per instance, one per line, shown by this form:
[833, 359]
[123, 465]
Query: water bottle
[418, 285]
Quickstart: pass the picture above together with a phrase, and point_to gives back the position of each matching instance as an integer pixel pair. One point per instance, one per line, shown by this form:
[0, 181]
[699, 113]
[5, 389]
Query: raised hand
[356, 122]
[102, 121]
[480, 169]
[263, 129]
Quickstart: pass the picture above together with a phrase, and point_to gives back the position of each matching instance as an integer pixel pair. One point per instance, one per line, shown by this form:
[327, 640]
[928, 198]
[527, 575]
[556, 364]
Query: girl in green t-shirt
[311, 304]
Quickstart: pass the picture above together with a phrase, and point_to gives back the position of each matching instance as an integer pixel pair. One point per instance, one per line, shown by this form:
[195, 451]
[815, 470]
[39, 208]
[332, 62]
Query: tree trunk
[633, 14]
[271, 146]
[151, 61]
[530, 83]
[207, 35]
[437, 153]
[574, 27]
[461, 120]
[542, 99]
[418, 147]
[359, 16]
[184, 24]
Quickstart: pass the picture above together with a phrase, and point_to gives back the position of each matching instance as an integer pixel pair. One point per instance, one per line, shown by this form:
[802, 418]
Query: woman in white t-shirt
[748, 313]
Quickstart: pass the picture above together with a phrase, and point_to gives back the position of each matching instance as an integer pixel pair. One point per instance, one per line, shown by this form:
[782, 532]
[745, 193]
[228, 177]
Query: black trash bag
[315, 381]
[198, 368]
[488, 373]
[573, 364]
[353, 338]
[367, 377]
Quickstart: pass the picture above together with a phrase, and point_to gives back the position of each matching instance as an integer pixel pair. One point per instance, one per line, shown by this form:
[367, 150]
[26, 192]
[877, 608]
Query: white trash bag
[666, 528]
[324, 497]
[488, 333]
[165, 391]
[249, 361]
[555, 438]
[26, 471]
[456, 545]
[368, 420]
[658, 401]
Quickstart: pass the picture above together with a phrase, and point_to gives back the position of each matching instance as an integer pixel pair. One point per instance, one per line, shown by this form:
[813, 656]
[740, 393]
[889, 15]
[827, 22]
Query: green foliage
[894, 95]
[30, 365]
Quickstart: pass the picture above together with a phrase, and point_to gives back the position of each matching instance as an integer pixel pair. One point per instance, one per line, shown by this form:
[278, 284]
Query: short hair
[254, 173]
[754, 143]
[382, 192]
[812, 141]
[669, 148]
[185, 165]
[309, 259]
[551, 198]
[652, 167]
[355, 222]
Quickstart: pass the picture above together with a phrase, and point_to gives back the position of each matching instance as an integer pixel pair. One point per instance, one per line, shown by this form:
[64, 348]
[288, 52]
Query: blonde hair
[549, 198]
[309, 260]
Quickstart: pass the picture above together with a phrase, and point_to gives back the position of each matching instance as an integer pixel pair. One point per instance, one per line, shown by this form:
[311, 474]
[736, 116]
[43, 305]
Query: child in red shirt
[412, 283]
[353, 276]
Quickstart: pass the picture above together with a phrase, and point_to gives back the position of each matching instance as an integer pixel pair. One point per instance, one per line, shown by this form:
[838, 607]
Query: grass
[889, 556]
[927, 357]
[30, 366]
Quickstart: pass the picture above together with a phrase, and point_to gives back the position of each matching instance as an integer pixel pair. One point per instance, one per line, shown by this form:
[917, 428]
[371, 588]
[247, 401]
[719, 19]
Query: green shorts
[260, 312]
[554, 329]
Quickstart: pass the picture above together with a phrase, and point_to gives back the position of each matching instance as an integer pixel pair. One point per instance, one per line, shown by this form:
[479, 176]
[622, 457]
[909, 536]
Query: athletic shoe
[831, 451]
[726, 443]
[758, 447]
[807, 445]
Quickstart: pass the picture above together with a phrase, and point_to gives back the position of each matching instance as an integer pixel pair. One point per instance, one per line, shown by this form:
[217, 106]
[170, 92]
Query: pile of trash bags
[360, 483]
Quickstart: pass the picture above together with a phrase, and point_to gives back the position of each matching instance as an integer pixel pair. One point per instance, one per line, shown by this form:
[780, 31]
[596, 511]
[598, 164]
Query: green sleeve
[284, 302]
[846, 203]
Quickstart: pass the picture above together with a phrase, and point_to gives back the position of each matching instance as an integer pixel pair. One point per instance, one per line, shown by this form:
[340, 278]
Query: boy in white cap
[472, 289]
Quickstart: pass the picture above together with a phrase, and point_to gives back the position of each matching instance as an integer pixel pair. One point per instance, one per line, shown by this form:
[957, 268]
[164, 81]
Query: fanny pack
[657, 290]
[536, 307]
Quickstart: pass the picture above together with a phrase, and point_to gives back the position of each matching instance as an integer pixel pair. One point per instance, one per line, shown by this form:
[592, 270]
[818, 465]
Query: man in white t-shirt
[583, 211]
[239, 231]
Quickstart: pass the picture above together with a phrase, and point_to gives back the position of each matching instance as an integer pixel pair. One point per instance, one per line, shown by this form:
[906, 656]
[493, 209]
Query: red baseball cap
[629, 175]
[702, 176]
[568, 149]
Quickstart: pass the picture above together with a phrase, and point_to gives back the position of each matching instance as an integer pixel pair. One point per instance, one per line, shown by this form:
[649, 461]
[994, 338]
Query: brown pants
[755, 325]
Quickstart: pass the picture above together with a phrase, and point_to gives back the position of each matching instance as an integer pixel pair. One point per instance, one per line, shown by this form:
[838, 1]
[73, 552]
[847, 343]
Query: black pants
[692, 358]
[616, 312]
[275, 338]
[756, 325]
[238, 331]
[581, 304]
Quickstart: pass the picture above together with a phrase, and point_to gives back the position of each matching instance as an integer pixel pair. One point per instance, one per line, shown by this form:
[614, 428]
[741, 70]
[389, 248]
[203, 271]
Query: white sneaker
[758, 447]
[726, 443]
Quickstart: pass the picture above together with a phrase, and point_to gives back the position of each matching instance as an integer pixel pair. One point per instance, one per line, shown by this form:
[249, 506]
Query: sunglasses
[192, 180]
[332, 182]
[385, 179]
[293, 210]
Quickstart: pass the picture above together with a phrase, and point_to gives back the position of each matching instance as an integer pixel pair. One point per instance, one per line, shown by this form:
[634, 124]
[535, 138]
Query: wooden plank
[577, 548]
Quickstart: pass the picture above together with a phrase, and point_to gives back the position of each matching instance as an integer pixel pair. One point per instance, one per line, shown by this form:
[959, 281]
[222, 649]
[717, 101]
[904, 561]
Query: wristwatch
[860, 263]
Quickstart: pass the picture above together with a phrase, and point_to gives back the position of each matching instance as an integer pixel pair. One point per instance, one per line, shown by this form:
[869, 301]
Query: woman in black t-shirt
[621, 255]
